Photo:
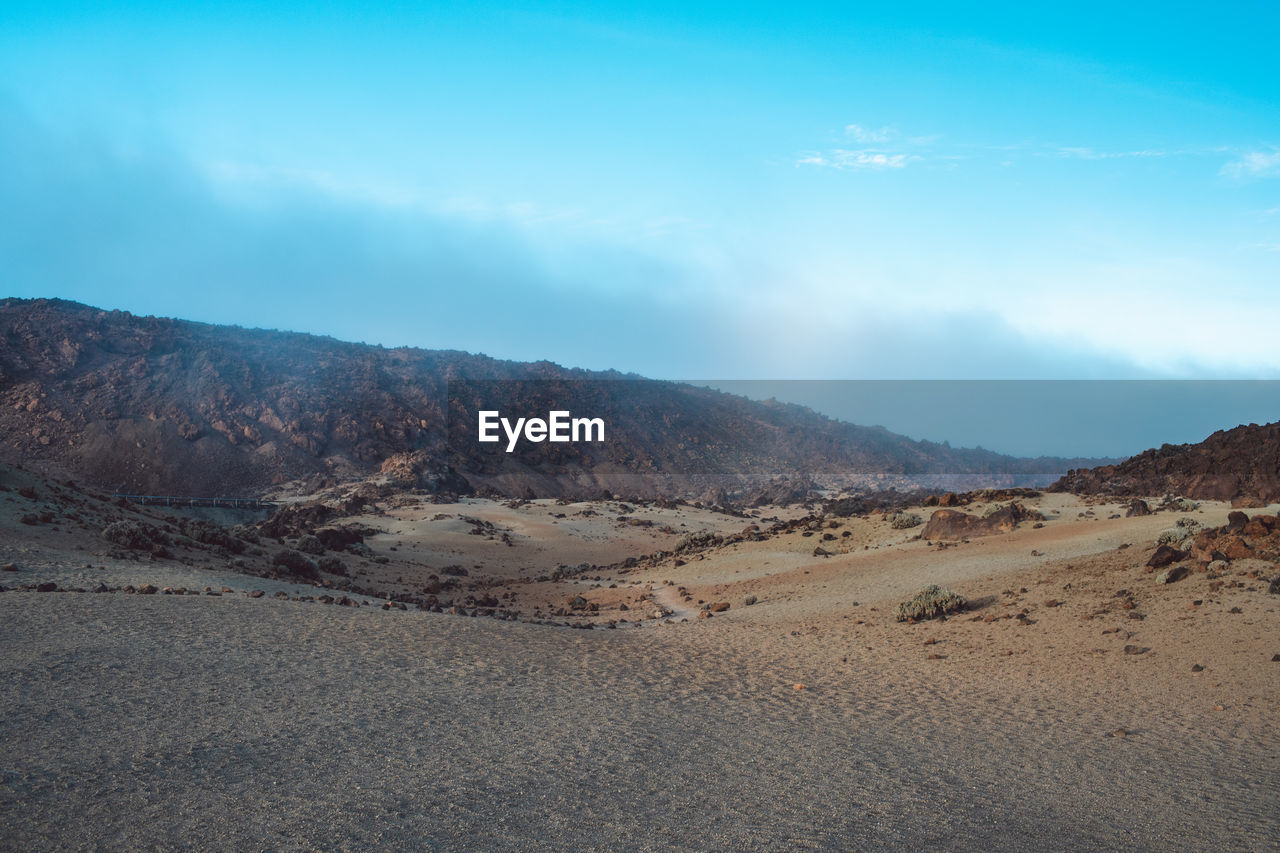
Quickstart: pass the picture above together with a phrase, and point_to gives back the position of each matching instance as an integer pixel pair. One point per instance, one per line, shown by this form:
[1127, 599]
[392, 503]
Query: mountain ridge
[161, 405]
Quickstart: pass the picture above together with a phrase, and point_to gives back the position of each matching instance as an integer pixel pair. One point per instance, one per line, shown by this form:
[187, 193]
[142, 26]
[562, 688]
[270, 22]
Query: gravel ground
[132, 722]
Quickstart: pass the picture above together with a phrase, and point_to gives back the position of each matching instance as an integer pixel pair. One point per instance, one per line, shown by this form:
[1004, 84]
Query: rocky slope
[1241, 463]
[162, 406]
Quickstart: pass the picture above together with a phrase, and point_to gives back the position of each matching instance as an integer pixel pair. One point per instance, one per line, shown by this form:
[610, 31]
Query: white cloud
[867, 159]
[1254, 164]
[866, 135]
[871, 159]
[1085, 153]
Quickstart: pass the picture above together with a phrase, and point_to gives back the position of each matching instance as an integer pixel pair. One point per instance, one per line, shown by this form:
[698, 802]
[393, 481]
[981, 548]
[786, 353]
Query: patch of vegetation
[332, 565]
[295, 563]
[309, 544]
[134, 534]
[929, 603]
[209, 533]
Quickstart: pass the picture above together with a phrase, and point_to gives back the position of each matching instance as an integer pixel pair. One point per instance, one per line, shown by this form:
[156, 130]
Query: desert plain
[621, 675]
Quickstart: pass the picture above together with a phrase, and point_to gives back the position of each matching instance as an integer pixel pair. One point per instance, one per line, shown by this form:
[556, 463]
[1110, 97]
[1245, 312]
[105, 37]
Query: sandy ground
[808, 720]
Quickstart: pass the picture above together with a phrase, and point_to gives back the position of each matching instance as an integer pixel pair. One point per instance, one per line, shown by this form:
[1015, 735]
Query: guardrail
[173, 500]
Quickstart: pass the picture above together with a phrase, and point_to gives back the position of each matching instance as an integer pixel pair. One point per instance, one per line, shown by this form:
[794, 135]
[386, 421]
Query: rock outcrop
[953, 524]
[1241, 465]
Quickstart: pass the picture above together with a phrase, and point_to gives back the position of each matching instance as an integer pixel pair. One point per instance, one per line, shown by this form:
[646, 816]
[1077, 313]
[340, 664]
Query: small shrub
[904, 520]
[213, 534]
[295, 563]
[309, 544]
[332, 565]
[1175, 536]
[696, 541]
[929, 603]
[134, 534]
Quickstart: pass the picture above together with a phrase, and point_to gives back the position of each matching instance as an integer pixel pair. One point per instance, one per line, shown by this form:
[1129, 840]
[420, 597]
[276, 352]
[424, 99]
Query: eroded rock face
[953, 524]
[1239, 539]
[1241, 465]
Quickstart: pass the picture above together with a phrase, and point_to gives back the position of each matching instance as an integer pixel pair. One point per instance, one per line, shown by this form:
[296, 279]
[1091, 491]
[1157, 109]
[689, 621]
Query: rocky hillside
[163, 406]
[1241, 463]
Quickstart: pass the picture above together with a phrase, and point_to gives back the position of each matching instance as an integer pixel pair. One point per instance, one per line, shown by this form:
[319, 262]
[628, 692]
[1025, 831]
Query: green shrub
[929, 603]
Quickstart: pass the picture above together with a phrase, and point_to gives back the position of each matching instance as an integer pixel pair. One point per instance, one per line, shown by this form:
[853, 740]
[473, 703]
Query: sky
[742, 191]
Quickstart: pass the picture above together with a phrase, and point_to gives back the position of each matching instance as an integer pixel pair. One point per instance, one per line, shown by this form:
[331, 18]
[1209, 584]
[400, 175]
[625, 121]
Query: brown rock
[720, 607]
[1232, 548]
[1164, 555]
[1255, 528]
[1138, 507]
[953, 524]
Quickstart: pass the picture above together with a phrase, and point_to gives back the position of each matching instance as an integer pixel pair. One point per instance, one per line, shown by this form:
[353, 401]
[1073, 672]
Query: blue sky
[683, 190]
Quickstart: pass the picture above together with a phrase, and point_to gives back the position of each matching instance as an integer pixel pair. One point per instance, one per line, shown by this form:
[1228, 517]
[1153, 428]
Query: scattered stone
[1172, 574]
[49, 586]
[1197, 668]
[257, 593]
[1136, 650]
[9, 567]
[147, 589]
[720, 607]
